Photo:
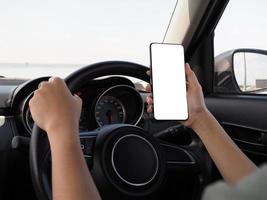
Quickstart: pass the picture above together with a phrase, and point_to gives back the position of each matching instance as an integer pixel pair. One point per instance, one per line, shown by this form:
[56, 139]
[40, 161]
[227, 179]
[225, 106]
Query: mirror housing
[237, 71]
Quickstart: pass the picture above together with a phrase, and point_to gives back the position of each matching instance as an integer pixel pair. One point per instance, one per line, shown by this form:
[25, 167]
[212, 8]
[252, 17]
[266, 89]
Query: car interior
[170, 160]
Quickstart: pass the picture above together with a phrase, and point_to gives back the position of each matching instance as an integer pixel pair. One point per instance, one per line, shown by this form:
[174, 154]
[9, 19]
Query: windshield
[56, 37]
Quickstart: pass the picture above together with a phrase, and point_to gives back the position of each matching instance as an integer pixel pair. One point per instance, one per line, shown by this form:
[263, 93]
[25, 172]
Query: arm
[57, 111]
[230, 160]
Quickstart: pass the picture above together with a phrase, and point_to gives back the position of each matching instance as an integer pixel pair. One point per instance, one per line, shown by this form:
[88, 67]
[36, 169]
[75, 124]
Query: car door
[228, 53]
[241, 107]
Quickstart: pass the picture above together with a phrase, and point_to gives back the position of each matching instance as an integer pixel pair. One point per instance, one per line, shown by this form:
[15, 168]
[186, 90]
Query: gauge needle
[109, 115]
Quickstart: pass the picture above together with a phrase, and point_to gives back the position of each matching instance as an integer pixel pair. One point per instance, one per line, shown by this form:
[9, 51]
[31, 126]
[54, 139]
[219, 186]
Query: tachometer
[109, 110]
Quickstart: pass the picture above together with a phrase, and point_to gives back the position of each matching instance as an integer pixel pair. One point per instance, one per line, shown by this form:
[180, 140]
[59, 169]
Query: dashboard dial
[109, 110]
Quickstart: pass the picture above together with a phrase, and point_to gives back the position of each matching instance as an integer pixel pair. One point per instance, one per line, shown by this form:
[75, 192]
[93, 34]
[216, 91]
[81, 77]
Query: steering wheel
[125, 161]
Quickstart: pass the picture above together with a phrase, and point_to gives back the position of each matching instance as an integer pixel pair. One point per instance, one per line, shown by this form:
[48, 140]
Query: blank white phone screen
[168, 81]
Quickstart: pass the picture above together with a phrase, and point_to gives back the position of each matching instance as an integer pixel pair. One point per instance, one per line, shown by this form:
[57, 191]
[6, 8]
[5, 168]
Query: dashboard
[105, 101]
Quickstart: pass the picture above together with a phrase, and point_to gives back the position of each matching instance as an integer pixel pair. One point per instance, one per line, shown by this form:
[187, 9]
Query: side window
[240, 48]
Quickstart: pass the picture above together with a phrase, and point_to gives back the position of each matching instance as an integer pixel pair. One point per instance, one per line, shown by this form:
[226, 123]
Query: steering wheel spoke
[87, 141]
[179, 158]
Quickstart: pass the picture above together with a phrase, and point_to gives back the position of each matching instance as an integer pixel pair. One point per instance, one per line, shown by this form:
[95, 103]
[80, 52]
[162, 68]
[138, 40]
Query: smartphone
[168, 81]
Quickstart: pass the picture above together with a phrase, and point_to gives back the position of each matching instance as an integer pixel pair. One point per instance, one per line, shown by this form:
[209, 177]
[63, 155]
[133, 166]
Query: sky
[81, 32]
[243, 25]
[244, 28]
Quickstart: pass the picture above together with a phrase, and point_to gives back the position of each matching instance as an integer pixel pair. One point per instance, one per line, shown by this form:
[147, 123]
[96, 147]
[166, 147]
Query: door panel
[245, 120]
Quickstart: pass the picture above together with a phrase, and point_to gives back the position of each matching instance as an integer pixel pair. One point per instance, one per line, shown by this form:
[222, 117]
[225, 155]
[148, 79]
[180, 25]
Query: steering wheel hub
[134, 160]
[127, 159]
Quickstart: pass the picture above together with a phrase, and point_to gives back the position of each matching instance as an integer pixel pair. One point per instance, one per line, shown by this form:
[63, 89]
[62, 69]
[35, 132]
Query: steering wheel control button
[135, 160]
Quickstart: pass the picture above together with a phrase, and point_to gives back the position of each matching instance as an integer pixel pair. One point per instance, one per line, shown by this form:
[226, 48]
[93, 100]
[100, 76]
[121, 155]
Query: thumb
[191, 77]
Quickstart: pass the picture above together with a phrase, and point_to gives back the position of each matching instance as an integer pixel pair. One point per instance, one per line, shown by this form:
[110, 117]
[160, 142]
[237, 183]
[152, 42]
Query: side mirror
[241, 71]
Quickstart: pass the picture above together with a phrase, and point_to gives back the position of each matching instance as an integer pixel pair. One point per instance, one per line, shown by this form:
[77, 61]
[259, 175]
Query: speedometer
[109, 110]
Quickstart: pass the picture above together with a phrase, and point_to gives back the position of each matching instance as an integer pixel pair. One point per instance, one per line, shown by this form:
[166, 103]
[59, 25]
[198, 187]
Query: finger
[148, 88]
[78, 99]
[31, 103]
[55, 79]
[188, 69]
[51, 79]
[59, 83]
[149, 100]
[149, 108]
[42, 84]
[191, 77]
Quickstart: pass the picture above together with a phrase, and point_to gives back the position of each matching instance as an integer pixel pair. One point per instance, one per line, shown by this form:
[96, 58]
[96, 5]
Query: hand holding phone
[168, 81]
